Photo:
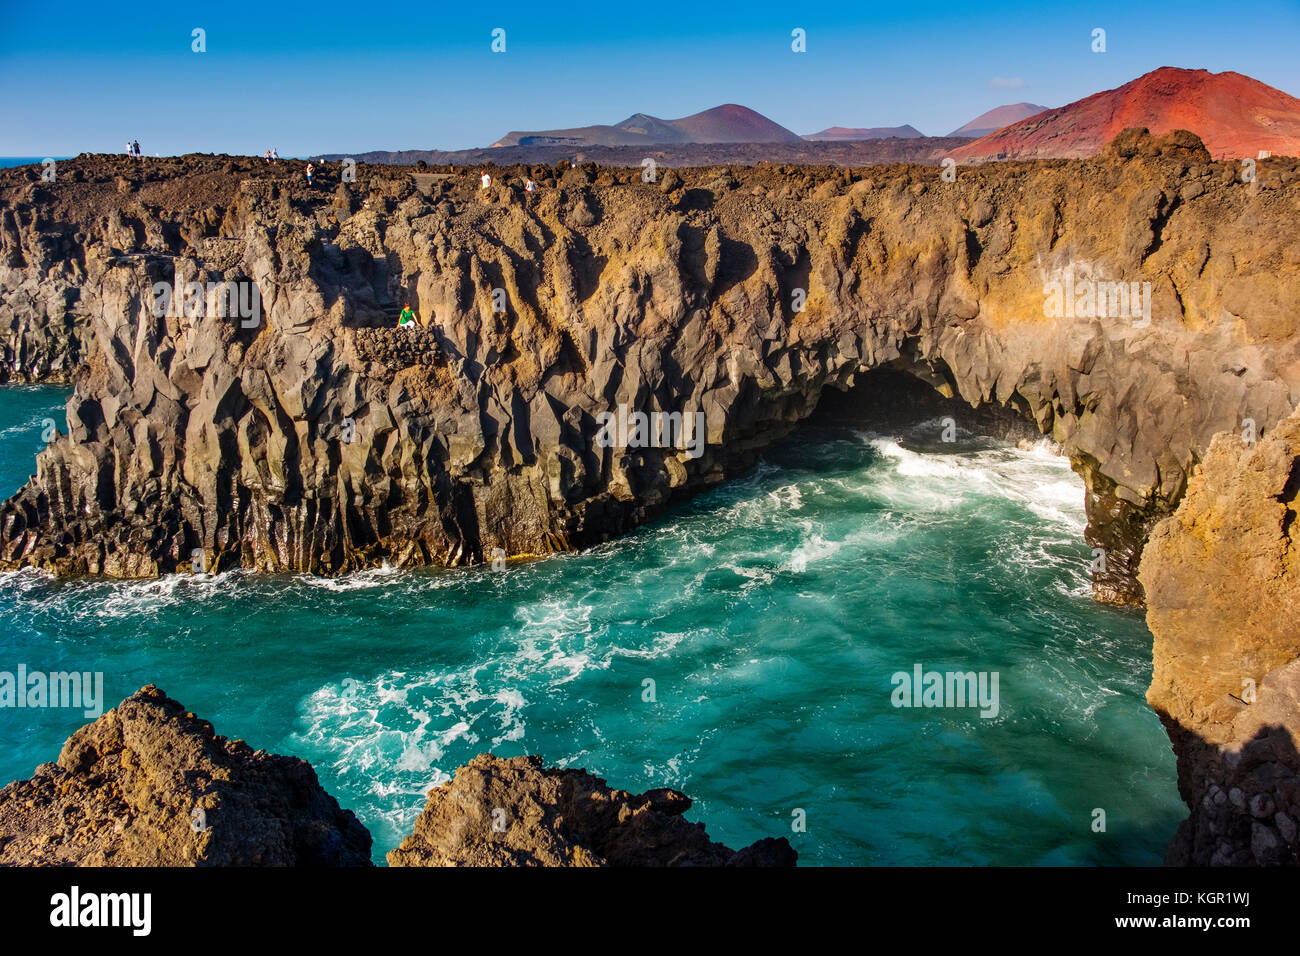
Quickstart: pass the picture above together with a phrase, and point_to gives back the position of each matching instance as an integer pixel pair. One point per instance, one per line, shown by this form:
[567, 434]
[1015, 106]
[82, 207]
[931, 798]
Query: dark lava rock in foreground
[516, 812]
[148, 784]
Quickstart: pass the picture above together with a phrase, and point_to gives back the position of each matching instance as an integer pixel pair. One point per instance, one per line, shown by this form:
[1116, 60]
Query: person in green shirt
[407, 318]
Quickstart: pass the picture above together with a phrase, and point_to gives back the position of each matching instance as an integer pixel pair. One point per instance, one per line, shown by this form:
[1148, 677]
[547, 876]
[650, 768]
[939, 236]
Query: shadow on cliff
[895, 397]
[1244, 802]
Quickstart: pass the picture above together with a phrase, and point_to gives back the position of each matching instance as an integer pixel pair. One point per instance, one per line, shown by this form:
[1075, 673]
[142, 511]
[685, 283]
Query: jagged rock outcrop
[517, 812]
[286, 443]
[1222, 577]
[148, 784]
[44, 340]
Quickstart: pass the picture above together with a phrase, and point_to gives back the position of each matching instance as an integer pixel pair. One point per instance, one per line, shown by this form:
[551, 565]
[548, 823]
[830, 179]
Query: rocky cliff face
[1222, 577]
[317, 438]
[517, 812]
[148, 784]
[45, 340]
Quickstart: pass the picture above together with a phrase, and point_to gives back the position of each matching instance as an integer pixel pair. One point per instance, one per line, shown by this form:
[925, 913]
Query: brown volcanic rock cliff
[127, 791]
[1234, 115]
[1222, 577]
[517, 812]
[301, 444]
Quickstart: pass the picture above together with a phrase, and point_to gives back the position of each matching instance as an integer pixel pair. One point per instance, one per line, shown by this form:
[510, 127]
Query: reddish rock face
[1234, 115]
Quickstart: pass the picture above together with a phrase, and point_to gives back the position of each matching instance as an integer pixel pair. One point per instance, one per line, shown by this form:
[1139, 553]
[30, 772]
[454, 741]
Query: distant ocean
[767, 617]
[7, 161]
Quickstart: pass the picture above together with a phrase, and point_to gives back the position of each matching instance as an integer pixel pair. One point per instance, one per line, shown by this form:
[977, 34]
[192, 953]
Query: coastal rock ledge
[517, 812]
[150, 784]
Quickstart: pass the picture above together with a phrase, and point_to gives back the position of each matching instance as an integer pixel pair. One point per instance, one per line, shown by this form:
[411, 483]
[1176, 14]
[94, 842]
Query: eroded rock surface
[302, 444]
[517, 812]
[1222, 577]
[126, 789]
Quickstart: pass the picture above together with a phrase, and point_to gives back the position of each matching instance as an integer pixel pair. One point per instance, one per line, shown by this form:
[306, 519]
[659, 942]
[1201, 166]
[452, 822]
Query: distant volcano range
[722, 124]
[1234, 115]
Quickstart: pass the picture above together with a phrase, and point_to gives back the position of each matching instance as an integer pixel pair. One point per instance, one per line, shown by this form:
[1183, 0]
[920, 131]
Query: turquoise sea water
[770, 615]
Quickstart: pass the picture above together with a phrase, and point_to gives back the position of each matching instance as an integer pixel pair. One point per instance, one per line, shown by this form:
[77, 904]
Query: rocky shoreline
[149, 784]
[316, 437]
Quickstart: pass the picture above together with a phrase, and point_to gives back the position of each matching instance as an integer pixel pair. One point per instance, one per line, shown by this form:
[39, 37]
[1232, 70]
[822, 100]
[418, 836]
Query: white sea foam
[379, 577]
[1034, 477]
[124, 601]
[813, 550]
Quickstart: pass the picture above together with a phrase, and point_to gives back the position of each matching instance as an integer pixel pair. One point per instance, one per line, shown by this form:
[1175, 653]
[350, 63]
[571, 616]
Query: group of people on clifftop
[486, 182]
[133, 148]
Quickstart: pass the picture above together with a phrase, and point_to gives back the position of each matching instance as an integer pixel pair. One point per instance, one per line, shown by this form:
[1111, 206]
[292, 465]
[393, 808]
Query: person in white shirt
[487, 180]
[530, 186]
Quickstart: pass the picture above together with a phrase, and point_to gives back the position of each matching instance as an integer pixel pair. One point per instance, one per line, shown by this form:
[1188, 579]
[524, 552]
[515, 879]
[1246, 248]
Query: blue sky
[348, 76]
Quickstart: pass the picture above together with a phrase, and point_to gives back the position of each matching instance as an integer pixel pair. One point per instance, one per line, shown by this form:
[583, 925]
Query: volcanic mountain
[998, 117]
[842, 134]
[722, 124]
[1234, 115]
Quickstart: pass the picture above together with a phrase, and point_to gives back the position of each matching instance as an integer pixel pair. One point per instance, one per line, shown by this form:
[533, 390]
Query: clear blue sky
[349, 76]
